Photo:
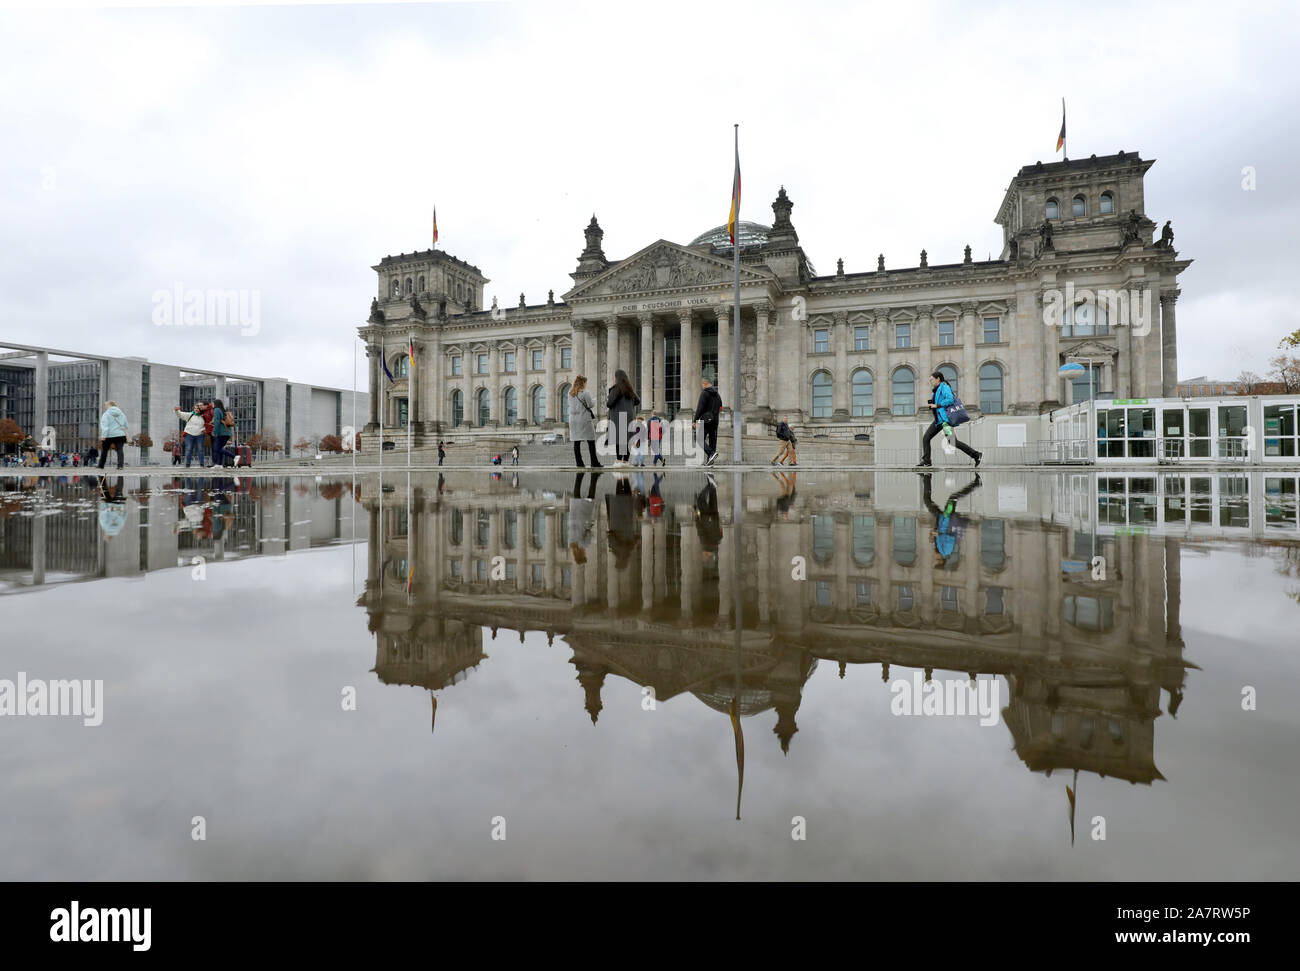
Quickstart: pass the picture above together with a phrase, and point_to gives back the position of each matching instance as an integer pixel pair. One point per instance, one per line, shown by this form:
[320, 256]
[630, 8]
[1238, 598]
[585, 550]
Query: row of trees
[1283, 372]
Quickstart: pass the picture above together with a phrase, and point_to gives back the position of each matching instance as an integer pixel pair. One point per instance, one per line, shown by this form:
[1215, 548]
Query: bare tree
[1247, 381]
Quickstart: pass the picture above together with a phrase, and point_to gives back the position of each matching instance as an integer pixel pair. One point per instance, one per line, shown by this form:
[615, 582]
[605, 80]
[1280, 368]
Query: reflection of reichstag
[1067, 585]
[66, 528]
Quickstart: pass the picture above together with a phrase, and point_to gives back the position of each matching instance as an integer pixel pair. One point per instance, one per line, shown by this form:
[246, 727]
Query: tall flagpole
[383, 393]
[352, 445]
[735, 322]
[410, 393]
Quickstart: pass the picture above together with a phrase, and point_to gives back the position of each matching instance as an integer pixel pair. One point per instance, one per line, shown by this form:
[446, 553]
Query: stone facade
[1079, 279]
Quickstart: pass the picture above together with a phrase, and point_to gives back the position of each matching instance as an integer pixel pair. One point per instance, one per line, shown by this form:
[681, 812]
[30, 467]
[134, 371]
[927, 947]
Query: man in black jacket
[708, 411]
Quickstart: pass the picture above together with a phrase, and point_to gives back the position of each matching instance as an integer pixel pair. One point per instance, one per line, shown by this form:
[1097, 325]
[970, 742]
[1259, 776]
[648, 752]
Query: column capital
[1169, 296]
[645, 317]
[925, 310]
[969, 307]
[721, 311]
[841, 317]
[882, 317]
[684, 315]
[763, 307]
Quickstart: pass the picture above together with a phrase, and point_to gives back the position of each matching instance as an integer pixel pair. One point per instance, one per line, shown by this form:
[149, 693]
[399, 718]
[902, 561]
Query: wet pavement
[539, 675]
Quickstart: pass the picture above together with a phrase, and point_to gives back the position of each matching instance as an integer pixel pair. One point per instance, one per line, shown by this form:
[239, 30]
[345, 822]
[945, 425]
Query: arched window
[864, 540]
[821, 395]
[862, 396]
[904, 391]
[512, 406]
[401, 366]
[457, 525]
[510, 528]
[457, 408]
[949, 374]
[564, 402]
[1053, 210]
[538, 408]
[410, 287]
[484, 406]
[537, 533]
[1079, 207]
[397, 288]
[823, 539]
[419, 285]
[1107, 202]
[991, 388]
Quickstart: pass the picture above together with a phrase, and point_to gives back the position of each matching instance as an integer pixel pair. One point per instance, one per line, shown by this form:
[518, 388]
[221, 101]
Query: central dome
[751, 234]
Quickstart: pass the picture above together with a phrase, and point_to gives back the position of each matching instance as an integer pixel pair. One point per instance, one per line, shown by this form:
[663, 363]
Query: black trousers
[112, 443]
[710, 437]
[591, 451]
[936, 428]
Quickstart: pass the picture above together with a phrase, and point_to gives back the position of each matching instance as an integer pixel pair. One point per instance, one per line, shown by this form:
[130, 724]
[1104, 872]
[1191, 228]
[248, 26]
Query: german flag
[410, 348]
[1060, 139]
[733, 221]
[435, 225]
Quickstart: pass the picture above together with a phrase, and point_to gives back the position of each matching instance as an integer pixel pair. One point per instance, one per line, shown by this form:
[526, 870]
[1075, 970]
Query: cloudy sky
[285, 150]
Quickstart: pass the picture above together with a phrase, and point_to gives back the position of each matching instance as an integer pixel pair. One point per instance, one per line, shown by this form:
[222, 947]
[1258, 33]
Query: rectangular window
[861, 340]
[509, 365]
[482, 364]
[537, 360]
[992, 330]
[905, 598]
[947, 333]
[902, 335]
[821, 341]
[1280, 437]
[566, 357]
[455, 364]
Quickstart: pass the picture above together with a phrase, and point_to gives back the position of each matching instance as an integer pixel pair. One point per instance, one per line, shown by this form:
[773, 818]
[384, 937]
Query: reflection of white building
[1087, 656]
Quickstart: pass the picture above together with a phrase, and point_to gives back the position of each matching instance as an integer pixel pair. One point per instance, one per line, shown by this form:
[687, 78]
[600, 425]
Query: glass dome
[751, 234]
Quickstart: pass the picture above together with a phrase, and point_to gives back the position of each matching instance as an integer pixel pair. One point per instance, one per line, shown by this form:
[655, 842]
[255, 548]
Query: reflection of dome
[752, 700]
[751, 234]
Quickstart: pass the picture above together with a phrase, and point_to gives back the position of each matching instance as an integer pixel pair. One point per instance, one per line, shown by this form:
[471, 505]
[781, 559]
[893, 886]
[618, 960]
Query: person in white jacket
[193, 432]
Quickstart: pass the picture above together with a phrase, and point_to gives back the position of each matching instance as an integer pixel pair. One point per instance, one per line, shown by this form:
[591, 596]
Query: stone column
[764, 312]
[803, 390]
[723, 378]
[494, 385]
[969, 377]
[884, 383]
[579, 347]
[689, 548]
[925, 338]
[765, 567]
[1168, 343]
[840, 385]
[548, 356]
[647, 361]
[725, 578]
[647, 564]
[1051, 378]
[611, 351]
[690, 362]
[372, 359]
[41, 403]
[413, 390]
[661, 560]
[660, 369]
[592, 354]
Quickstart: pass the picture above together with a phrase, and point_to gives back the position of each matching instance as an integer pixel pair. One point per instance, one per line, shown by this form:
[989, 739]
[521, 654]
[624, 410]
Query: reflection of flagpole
[737, 607]
[410, 395]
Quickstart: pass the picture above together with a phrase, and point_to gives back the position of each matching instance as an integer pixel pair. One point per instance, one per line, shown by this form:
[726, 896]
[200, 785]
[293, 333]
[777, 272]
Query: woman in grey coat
[582, 421]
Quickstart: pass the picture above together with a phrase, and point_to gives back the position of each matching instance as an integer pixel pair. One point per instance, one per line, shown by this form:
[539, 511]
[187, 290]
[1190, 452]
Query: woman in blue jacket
[942, 400]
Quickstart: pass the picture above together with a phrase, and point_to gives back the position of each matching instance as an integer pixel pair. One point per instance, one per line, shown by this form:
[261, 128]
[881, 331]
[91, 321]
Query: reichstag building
[834, 353]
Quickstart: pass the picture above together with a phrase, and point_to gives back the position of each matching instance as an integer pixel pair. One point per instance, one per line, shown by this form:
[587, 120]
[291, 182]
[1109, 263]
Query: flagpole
[383, 395]
[352, 445]
[735, 324]
[410, 394]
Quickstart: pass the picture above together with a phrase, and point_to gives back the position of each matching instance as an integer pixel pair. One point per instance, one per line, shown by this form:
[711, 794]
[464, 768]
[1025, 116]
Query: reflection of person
[707, 524]
[943, 399]
[949, 525]
[112, 507]
[623, 534]
[581, 516]
[786, 499]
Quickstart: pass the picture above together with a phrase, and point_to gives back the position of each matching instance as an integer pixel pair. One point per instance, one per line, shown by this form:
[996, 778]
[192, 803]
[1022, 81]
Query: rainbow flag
[733, 220]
